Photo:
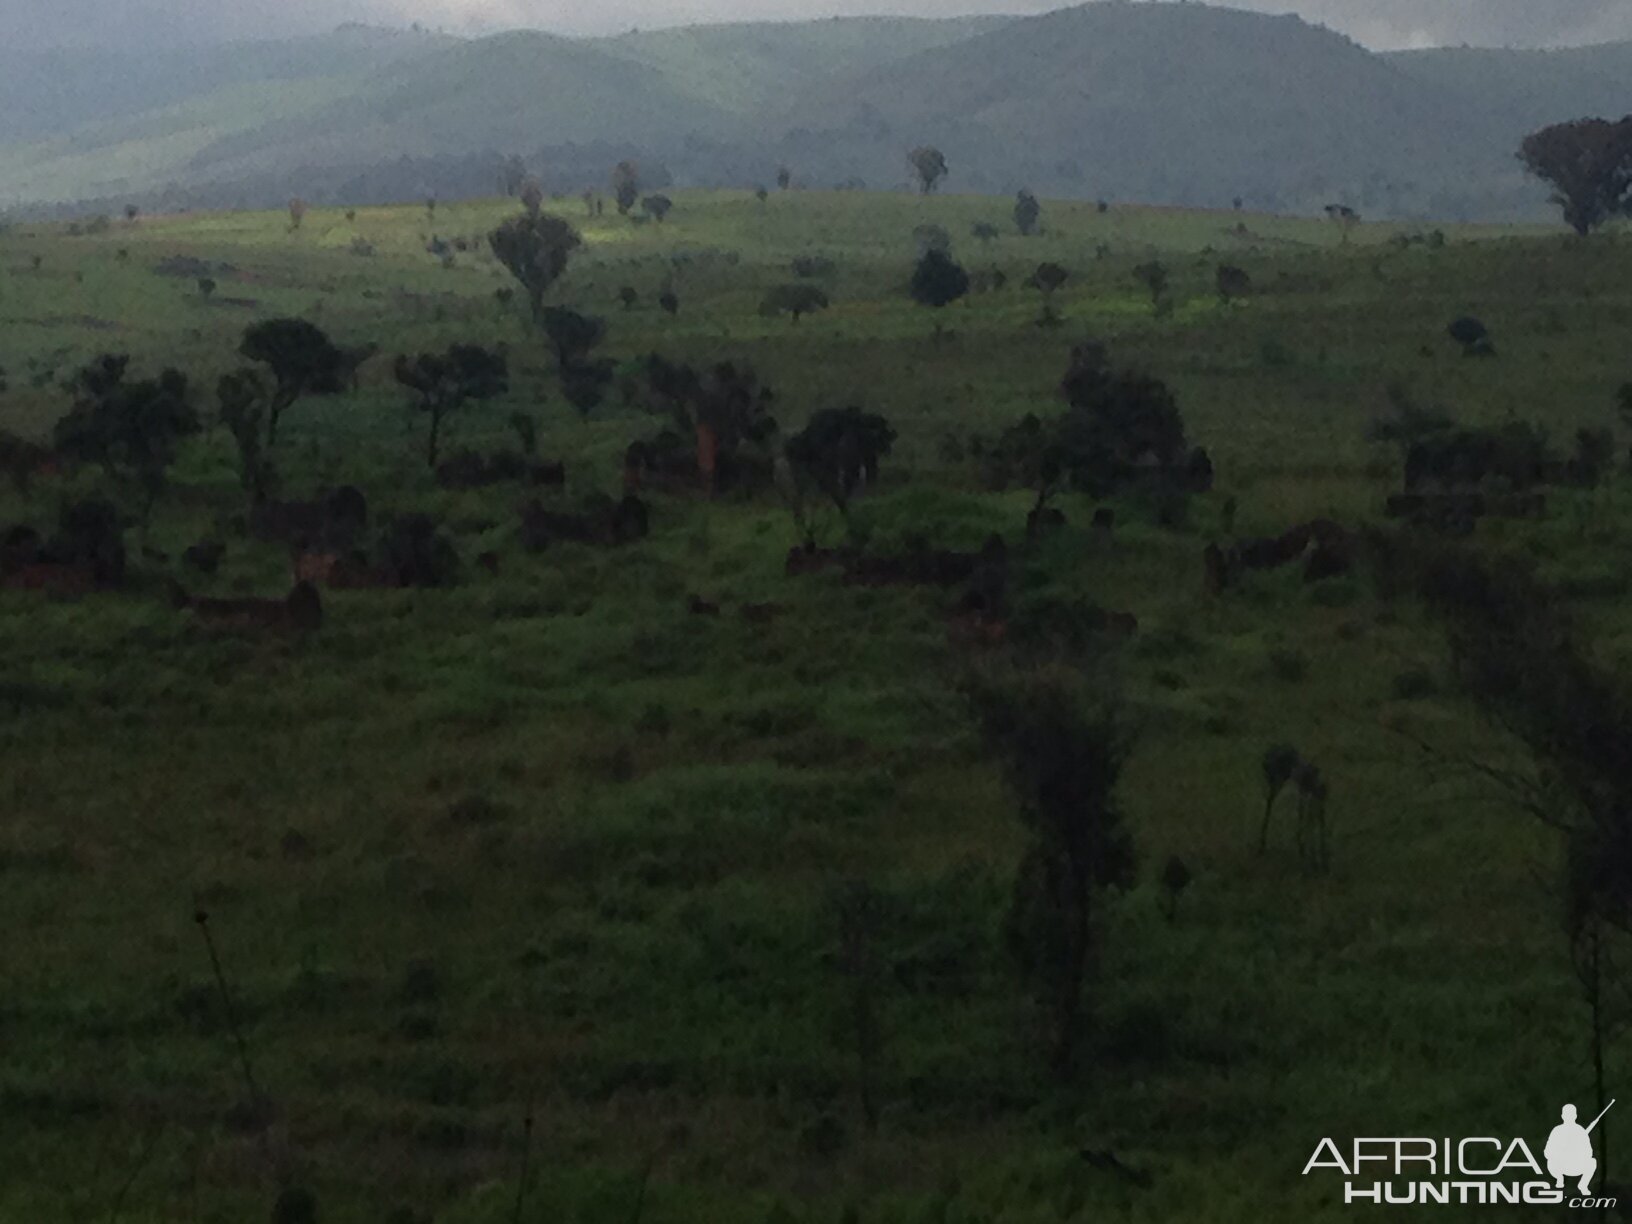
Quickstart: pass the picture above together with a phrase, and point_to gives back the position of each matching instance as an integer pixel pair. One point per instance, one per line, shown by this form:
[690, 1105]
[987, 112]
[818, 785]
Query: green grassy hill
[550, 843]
[1176, 104]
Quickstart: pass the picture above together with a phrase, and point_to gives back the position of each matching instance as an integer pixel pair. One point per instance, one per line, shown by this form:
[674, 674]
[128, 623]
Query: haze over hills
[1169, 104]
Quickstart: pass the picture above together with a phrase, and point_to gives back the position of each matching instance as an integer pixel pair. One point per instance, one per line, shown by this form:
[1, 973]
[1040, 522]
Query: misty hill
[1180, 104]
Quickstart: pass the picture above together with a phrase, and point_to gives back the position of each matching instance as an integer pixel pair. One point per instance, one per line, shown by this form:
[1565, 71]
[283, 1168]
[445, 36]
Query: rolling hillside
[1171, 104]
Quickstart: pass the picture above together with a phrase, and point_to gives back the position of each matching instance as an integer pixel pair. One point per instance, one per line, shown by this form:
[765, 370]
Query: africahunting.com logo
[1474, 1171]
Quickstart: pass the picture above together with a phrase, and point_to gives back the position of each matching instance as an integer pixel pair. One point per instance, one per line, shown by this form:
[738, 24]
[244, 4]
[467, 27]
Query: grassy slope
[1172, 102]
[629, 926]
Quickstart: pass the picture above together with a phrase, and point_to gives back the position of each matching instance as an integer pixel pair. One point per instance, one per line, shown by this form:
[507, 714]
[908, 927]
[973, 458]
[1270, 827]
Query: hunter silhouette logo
[1569, 1149]
[1476, 1171]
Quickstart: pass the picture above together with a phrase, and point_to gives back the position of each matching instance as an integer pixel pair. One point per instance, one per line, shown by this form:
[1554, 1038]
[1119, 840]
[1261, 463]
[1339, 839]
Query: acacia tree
[534, 249]
[445, 382]
[303, 361]
[1588, 164]
[1027, 212]
[1063, 760]
[130, 429]
[929, 164]
[625, 185]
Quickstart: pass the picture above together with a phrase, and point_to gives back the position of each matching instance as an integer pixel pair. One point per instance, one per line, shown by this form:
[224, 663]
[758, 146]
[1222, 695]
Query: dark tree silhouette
[445, 382]
[1153, 276]
[512, 175]
[243, 398]
[532, 196]
[1588, 164]
[130, 429]
[626, 185]
[792, 300]
[1232, 283]
[535, 250]
[929, 164]
[784, 177]
[1473, 336]
[1063, 760]
[938, 280]
[1047, 279]
[668, 302]
[1027, 212]
[1279, 766]
[839, 451]
[303, 361]
[574, 337]
[628, 297]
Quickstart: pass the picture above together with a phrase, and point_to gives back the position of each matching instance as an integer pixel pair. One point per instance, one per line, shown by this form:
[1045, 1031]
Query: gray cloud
[1379, 23]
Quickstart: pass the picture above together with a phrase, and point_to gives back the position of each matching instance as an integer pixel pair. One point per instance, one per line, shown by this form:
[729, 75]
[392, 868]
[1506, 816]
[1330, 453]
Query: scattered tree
[668, 302]
[532, 197]
[929, 164]
[839, 451]
[1027, 213]
[1153, 276]
[1175, 880]
[626, 185]
[1047, 279]
[792, 300]
[1279, 766]
[444, 382]
[535, 250]
[1588, 164]
[938, 280]
[303, 361]
[1473, 336]
[574, 337]
[1063, 759]
[1233, 283]
[628, 297]
[1344, 217]
[130, 429]
[512, 175]
[243, 399]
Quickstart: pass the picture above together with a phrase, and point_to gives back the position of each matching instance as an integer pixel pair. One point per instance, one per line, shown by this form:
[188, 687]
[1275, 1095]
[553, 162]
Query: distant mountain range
[1177, 104]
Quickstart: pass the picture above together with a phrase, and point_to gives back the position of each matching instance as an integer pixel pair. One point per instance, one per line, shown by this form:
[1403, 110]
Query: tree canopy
[1588, 164]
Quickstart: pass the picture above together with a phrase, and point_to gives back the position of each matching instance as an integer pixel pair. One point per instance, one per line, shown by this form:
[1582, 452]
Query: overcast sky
[1379, 23]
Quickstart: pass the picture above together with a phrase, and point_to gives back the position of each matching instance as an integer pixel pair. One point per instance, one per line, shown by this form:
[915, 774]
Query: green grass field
[547, 837]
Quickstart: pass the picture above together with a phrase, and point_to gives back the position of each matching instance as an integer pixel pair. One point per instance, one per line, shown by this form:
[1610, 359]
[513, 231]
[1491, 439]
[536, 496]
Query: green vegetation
[1284, 115]
[730, 869]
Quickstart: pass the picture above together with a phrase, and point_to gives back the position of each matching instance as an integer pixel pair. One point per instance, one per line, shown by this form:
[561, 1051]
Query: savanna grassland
[549, 839]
